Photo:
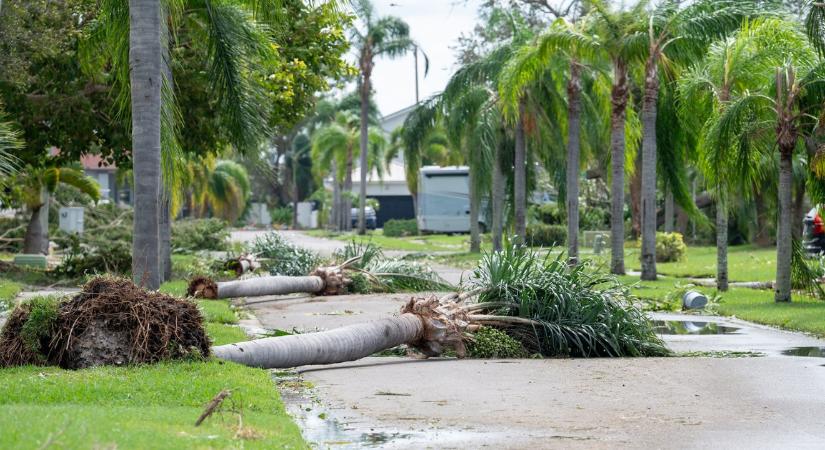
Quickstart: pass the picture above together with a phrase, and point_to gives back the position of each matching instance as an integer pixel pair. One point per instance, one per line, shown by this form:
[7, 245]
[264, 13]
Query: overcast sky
[435, 25]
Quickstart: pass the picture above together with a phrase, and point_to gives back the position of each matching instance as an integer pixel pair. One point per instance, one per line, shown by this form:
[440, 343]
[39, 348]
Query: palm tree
[757, 122]
[674, 34]
[568, 44]
[434, 150]
[616, 32]
[134, 36]
[733, 66]
[380, 36]
[334, 146]
[38, 185]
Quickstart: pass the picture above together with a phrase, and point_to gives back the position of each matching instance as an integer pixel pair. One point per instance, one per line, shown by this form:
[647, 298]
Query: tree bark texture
[573, 155]
[475, 202]
[145, 57]
[274, 285]
[784, 245]
[617, 167]
[651, 97]
[520, 177]
[721, 244]
[36, 240]
[498, 200]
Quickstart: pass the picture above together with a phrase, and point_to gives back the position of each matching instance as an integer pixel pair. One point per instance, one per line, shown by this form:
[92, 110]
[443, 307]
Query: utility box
[259, 215]
[25, 260]
[303, 215]
[71, 219]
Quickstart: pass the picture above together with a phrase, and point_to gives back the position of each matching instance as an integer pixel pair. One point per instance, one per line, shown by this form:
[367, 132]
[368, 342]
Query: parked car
[813, 233]
[370, 216]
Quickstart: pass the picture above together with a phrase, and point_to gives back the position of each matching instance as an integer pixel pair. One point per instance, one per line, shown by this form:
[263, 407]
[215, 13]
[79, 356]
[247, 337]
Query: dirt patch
[110, 322]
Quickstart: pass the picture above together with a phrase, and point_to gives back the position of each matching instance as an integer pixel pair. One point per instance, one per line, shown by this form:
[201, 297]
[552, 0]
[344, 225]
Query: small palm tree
[733, 66]
[38, 185]
[378, 36]
[220, 187]
[334, 146]
[758, 123]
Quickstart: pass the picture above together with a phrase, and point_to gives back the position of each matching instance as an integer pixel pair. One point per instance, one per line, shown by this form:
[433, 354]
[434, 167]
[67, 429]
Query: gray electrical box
[71, 219]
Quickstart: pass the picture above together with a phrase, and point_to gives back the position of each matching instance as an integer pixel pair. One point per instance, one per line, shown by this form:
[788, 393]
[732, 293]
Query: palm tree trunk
[498, 199]
[362, 189]
[783, 234]
[347, 199]
[475, 237]
[146, 79]
[721, 243]
[275, 285]
[520, 177]
[669, 211]
[636, 198]
[339, 345]
[651, 97]
[165, 225]
[573, 148]
[617, 169]
[36, 240]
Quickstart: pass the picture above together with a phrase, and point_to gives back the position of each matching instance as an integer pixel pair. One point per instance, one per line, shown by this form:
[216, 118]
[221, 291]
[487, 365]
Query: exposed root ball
[202, 287]
[110, 322]
[335, 280]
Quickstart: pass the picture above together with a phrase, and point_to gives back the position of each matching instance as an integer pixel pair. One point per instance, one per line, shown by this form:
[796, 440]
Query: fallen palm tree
[363, 269]
[551, 309]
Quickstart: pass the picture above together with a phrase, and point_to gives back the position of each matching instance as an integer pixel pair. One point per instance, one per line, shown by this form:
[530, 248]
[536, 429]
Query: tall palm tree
[38, 186]
[568, 43]
[774, 120]
[379, 36]
[674, 34]
[733, 66]
[134, 37]
[616, 32]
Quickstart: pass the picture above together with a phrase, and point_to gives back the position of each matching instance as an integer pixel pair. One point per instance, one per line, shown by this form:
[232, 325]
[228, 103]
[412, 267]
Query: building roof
[394, 120]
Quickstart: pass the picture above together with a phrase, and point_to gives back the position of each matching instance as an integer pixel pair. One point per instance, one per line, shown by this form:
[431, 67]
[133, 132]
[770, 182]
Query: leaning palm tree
[674, 34]
[733, 66]
[38, 186]
[758, 123]
[378, 36]
[551, 309]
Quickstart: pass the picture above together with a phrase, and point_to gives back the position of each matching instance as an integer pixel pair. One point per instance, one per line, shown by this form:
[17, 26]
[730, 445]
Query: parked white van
[444, 200]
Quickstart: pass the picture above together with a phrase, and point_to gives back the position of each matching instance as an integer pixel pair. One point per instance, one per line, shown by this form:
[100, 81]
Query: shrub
[282, 216]
[492, 343]
[595, 218]
[670, 247]
[192, 235]
[550, 214]
[280, 257]
[400, 228]
[543, 235]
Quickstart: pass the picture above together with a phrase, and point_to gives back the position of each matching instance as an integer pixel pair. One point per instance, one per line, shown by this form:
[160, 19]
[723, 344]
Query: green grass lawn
[151, 406]
[8, 290]
[745, 263]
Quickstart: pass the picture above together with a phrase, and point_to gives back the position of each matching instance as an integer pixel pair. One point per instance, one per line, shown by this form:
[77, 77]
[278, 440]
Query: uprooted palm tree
[361, 267]
[552, 309]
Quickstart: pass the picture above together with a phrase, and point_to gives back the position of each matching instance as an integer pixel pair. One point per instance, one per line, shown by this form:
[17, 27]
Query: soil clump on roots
[110, 322]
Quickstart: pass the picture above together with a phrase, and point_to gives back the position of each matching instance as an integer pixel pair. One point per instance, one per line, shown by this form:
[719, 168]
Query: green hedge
[400, 228]
[670, 247]
[543, 235]
[192, 235]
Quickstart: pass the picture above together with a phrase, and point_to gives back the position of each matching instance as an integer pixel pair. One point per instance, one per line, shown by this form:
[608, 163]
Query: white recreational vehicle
[444, 200]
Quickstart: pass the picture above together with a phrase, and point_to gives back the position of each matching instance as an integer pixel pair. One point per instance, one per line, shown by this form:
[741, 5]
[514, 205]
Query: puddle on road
[691, 327]
[322, 431]
[813, 352]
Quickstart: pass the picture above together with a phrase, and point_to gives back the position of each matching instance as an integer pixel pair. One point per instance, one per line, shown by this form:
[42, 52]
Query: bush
[595, 218]
[492, 343]
[543, 235]
[282, 216]
[550, 214]
[280, 257]
[670, 247]
[192, 235]
[400, 228]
